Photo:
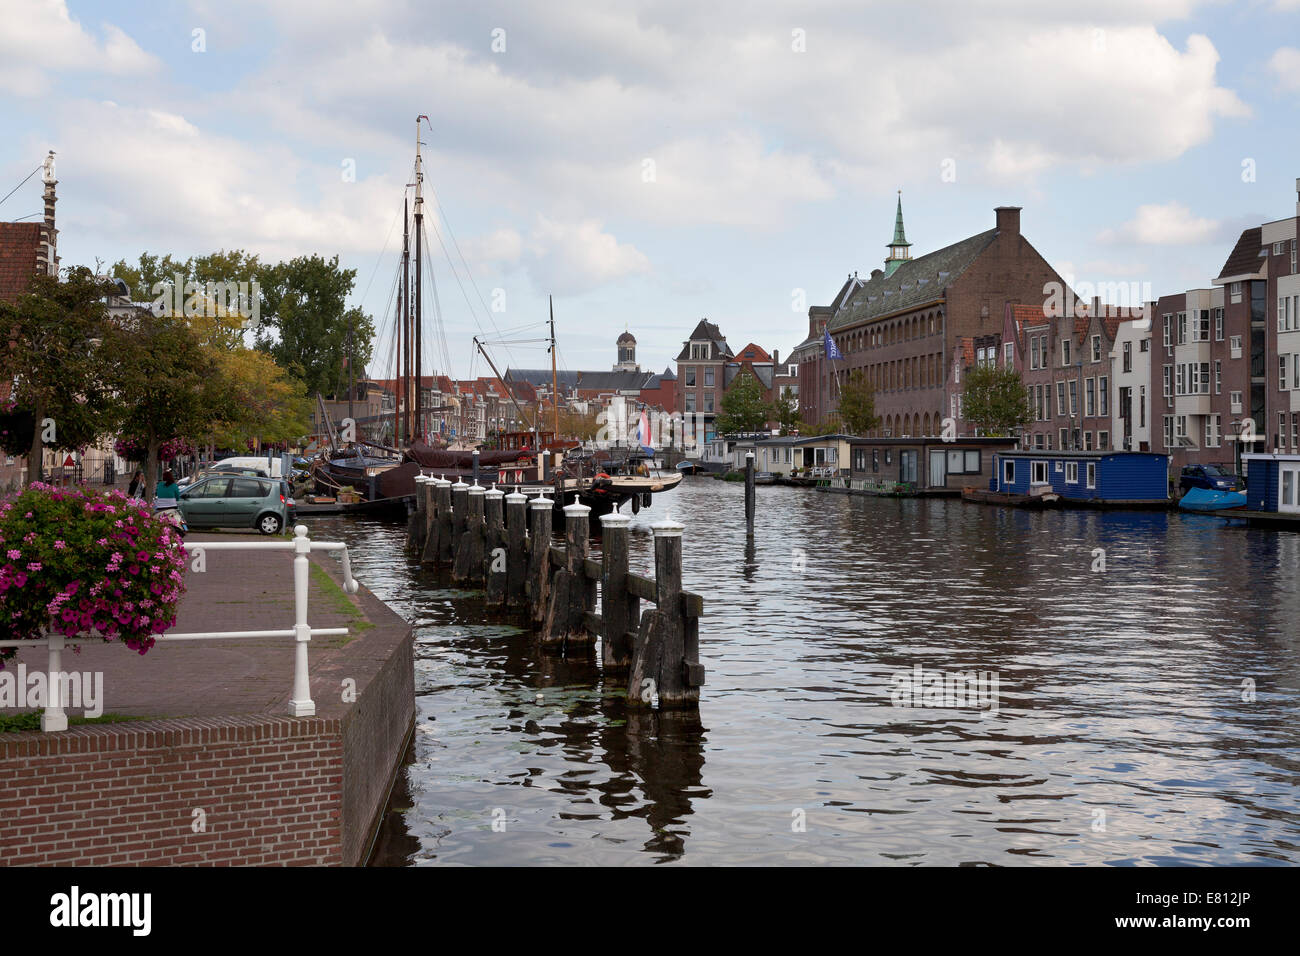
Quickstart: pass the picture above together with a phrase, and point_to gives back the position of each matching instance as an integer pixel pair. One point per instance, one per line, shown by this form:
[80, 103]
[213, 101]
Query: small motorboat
[1206, 499]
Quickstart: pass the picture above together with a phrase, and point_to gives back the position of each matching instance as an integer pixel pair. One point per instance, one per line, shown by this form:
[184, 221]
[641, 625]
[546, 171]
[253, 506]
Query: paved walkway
[242, 590]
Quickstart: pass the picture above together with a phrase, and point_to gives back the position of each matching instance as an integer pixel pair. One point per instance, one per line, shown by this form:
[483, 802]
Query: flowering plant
[133, 450]
[85, 562]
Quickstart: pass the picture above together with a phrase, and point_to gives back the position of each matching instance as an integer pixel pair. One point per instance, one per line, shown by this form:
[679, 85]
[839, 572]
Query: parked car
[1212, 477]
[237, 501]
[243, 470]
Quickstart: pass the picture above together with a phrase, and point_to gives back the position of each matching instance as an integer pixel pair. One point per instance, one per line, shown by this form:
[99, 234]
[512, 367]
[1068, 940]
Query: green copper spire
[899, 238]
[898, 253]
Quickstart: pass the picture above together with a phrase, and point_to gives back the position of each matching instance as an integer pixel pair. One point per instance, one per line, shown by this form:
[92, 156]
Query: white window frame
[1071, 472]
[1008, 471]
[1090, 473]
[1037, 472]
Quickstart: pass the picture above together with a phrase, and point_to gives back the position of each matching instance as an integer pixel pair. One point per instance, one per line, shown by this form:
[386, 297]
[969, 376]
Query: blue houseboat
[1272, 490]
[1089, 479]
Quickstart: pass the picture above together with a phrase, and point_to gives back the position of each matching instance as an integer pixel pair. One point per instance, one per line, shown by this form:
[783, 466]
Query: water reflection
[1121, 736]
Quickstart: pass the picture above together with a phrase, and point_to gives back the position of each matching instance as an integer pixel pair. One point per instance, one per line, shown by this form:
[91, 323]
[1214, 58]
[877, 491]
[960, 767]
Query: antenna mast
[419, 259]
[555, 379]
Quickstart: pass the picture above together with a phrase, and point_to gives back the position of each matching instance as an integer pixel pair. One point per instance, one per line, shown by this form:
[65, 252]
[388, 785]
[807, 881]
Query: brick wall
[126, 794]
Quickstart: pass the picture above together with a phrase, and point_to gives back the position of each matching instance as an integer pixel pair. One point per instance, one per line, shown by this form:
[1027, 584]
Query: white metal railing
[301, 704]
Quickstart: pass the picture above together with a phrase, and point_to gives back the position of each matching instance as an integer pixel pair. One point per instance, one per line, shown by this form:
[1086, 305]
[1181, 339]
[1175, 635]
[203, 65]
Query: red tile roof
[20, 243]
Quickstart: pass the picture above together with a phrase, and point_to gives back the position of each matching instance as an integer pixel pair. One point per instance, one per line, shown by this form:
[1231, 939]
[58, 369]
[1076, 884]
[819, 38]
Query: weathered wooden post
[539, 556]
[573, 594]
[619, 610]
[659, 656]
[459, 510]
[468, 566]
[516, 548]
[476, 460]
[749, 491]
[438, 549]
[417, 519]
[494, 548]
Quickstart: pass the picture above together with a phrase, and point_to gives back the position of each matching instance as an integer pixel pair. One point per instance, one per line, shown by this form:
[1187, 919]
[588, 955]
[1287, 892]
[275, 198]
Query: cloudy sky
[652, 163]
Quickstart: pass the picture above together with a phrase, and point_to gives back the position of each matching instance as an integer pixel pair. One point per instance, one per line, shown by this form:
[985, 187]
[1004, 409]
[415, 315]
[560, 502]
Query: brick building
[914, 326]
[701, 378]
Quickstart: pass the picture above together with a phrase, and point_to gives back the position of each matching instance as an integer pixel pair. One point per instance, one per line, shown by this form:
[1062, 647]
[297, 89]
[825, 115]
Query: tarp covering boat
[430, 457]
[1204, 499]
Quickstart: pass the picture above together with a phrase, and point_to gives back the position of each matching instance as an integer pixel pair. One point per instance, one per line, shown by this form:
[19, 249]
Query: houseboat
[1272, 491]
[930, 466]
[1082, 479]
[794, 458]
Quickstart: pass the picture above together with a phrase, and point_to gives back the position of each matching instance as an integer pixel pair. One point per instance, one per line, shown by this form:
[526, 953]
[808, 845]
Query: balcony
[1192, 405]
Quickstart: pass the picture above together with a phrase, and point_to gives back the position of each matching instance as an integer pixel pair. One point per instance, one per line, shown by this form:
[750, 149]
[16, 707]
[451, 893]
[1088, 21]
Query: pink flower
[14, 554]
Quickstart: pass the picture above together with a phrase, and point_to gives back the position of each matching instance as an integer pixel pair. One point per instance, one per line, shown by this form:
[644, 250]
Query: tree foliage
[857, 407]
[995, 399]
[743, 408]
[53, 356]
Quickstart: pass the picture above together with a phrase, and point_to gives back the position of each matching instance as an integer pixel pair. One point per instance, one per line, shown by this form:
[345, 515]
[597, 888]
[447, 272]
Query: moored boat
[986, 497]
[1206, 500]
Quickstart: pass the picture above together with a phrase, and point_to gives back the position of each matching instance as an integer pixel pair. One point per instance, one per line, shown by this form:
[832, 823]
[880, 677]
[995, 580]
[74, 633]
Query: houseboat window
[1058, 468]
[1288, 486]
[1008, 472]
[907, 466]
[1071, 472]
[875, 459]
[1092, 474]
[889, 456]
[1039, 472]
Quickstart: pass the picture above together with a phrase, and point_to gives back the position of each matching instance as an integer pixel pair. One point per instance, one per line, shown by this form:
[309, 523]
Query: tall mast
[404, 333]
[555, 378]
[419, 259]
[505, 388]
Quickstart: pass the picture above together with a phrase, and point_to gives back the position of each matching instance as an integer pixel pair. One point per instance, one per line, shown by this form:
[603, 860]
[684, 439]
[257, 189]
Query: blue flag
[832, 350]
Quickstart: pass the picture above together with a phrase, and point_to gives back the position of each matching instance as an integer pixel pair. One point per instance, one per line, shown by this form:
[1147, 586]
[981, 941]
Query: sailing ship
[535, 460]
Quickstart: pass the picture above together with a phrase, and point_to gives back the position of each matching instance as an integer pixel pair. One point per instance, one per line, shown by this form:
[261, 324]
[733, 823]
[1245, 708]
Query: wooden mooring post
[749, 492]
[503, 543]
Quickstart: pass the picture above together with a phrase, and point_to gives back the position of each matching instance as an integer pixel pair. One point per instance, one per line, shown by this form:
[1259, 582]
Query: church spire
[898, 253]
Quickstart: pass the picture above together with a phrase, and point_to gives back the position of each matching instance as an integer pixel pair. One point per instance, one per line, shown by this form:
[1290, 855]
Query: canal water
[1137, 689]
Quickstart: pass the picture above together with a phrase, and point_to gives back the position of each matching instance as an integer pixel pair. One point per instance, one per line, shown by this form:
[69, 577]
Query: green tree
[995, 399]
[857, 408]
[743, 408]
[785, 412]
[167, 382]
[304, 303]
[54, 357]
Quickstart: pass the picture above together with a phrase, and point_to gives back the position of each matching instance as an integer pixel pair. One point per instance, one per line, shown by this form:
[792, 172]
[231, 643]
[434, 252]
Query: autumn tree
[995, 399]
[857, 406]
[743, 408]
[54, 357]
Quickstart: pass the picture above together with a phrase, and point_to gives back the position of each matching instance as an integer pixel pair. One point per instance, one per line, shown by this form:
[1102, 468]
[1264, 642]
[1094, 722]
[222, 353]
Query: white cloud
[1285, 66]
[573, 257]
[1168, 224]
[40, 38]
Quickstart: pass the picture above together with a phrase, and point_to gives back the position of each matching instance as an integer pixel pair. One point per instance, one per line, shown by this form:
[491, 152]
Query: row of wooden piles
[503, 544]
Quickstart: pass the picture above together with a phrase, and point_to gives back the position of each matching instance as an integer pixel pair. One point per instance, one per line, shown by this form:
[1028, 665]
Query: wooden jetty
[503, 544]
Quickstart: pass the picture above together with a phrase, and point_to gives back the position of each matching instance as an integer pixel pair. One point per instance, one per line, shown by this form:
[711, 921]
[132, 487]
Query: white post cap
[515, 497]
[477, 490]
[615, 519]
[542, 502]
[667, 528]
[494, 493]
[576, 510]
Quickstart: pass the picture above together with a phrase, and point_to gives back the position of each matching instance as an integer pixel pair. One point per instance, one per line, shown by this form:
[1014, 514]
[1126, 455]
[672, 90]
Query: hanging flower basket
[89, 564]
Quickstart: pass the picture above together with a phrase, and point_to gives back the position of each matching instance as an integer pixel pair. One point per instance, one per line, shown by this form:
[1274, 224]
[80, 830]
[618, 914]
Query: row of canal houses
[1122, 397]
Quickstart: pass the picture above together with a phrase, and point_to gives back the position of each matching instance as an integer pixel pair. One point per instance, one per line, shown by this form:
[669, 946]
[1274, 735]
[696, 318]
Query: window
[708, 401]
[1127, 365]
[1065, 352]
[216, 488]
[708, 378]
[1234, 293]
[1180, 430]
[690, 376]
[1008, 354]
[1169, 431]
[1234, 347]
[1218, 377]
[1144, 345]
[1047, 403]
[1064, 436]
[1090, 398]
[1281, 372]
[1295, 430]
[1279, 248]
[1211, 431]
[1008, 471]
[1280, 438]
[1074, 398]
[1142, 406]
[1218, 325]
[1059, 469]
[1038, 472]
[1295, 370]
[1096, 348]
[690, 401]
[1293, 248]
[1234, 399]
[1182, 328]
[1169, 380]
[249, 488]
[875, 459]
[1092, 474]
[1103, 441]
[1168, 320]
[1071, 472]
[1087, 441]
[1203, 327]
[1060, 398]
[1103, 395]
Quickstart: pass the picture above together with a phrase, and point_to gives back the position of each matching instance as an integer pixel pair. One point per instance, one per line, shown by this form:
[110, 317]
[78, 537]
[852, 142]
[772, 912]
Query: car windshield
[1214, 471]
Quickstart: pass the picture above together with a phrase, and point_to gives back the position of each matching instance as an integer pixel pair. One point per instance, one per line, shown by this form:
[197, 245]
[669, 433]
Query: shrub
[86, 563]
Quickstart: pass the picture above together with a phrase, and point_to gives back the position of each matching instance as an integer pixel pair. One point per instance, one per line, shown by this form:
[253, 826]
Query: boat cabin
[790, 455]
[927, 466]
[1085, 477]
[1272, 483]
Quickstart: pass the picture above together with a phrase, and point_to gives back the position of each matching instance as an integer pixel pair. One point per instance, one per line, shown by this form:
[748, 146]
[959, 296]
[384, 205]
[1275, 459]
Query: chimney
[776, 358]
[1008, 219]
